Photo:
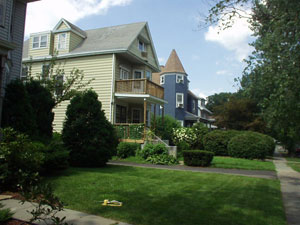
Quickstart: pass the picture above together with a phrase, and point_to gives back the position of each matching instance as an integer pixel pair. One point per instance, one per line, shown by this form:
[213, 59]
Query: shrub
[20, 160]
[271, 144]
[5, 214]
[125, 149]
[153, 149]
[200, 130]
[197, 158]
[186, 134]
[56, 155]
[182, 146]
[249, 145]
[87, 133]
[42, 104]
[165, 129]
[17, 110]
[217, 141]
[162, 160]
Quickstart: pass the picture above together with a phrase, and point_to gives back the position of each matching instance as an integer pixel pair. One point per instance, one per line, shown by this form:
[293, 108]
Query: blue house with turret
[183, 104]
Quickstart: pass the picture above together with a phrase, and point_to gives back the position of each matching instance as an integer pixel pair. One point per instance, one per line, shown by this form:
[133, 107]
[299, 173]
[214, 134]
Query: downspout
[112, 89]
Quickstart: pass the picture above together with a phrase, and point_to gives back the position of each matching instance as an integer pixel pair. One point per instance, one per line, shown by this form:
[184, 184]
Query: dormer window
[39, 41]
[62, 41]
[142, 46]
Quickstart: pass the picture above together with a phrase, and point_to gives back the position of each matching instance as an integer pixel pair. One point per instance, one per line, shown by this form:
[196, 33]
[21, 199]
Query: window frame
[60, 86]
[182, 102]
[162, 79]
[43, 77]
[179, 80]
[150, 75]
[59, 40]
[39, 42]
[143, 45]
[142, 74]
[24, 70]
[123, 69]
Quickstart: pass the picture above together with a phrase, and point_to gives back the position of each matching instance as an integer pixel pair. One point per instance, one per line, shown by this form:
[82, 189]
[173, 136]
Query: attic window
[62, 41]
[39, 41]
[142, 46]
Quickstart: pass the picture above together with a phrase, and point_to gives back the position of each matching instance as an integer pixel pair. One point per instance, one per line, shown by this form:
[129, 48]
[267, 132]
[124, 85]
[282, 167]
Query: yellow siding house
[119, 59]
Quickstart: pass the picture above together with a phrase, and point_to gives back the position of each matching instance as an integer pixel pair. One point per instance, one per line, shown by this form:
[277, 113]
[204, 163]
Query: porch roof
[139, 98]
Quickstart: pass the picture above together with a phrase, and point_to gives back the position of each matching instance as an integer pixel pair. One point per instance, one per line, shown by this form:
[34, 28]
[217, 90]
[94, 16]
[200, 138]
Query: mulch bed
[16, 222]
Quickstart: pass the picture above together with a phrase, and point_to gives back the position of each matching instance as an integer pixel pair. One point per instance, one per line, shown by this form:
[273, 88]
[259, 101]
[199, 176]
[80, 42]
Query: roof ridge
[116, 26]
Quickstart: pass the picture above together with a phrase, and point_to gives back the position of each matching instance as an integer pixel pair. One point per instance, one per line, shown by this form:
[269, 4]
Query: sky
[211, 57]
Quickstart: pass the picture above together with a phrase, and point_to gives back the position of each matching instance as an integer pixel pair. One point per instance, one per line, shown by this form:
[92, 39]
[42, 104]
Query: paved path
[72, 217]
[290, 189]
[247, 173]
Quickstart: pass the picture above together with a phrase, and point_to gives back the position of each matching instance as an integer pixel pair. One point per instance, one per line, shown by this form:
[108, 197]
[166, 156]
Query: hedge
[125, 149]
[197, 157]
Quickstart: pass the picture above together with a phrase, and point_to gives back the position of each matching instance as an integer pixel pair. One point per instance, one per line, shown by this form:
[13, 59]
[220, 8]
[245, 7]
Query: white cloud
[43, 15]
[234, 39]
[222, 72]
[199, 93]
[161, 60]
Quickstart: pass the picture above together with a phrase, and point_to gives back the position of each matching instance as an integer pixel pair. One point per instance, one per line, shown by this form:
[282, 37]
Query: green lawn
[221, 162]
[164, 197]
[294, 163]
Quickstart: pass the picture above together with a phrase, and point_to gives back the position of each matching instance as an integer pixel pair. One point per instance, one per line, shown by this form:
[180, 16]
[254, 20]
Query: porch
[135, 104]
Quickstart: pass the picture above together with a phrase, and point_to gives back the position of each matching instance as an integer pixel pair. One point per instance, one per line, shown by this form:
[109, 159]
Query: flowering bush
[185, 134]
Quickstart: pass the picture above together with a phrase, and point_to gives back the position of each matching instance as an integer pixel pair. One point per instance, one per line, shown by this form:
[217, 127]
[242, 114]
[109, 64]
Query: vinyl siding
[41, 52]
[135, 50]
[61, 51]
[98, 68]
[62, 26]
[18, 21]
[75, 40]
[4, 31]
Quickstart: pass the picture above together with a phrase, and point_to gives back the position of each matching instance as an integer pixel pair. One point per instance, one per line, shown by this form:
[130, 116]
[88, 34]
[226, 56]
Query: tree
[87, 133]
[272, 77]
[61, 86]
[217, 99]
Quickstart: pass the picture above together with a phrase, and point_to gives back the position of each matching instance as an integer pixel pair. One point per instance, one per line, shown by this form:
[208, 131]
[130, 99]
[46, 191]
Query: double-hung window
[124, 74]
[162, 79]
[62, 41]
[179, 100]
[142, 46]
[39, 41]
[179, 78]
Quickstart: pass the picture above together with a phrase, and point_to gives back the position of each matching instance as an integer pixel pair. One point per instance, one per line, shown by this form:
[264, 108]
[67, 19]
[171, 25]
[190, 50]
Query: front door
[136, 116]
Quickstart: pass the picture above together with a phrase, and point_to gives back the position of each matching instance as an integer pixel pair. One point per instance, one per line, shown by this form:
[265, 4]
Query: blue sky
[211, 60]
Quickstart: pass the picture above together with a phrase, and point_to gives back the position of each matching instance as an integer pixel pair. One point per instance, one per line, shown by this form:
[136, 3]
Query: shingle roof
[105, 39]
[173, 64]
[73, 27]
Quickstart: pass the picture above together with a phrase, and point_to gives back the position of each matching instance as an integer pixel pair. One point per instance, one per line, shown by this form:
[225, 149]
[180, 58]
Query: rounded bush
[153, 149]
[197, 158]
[217, 141]
[249, 145]
[200, 130]
[125, 150]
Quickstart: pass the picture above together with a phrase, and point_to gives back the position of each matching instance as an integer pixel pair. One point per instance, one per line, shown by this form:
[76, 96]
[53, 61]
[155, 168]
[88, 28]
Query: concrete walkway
[248, 173]
[290, 189]
[72, 217]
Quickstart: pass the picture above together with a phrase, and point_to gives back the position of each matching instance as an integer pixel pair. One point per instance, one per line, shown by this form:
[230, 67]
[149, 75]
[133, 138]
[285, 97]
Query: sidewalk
[290, 189]
[248, 173]
[72, 217]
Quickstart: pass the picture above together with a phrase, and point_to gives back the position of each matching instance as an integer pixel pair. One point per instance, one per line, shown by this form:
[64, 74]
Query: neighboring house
[120, 59]
[12, 22]
[182, 103]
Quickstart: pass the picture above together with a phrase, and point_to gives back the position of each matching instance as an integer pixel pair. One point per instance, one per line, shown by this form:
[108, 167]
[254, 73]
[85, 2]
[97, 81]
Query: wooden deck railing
[130, 132]
[139, 86]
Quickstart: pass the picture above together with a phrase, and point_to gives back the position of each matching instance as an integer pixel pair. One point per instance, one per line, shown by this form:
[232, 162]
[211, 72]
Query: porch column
[154, 117]
[163, 114]
[145, 117]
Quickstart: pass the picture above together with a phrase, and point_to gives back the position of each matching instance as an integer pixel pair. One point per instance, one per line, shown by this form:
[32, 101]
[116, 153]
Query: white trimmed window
[24, 73]
[142, 46]
[162, 79]
[179, 100]
[124, 74]
[45, 71]
[148, 75]
[39, 41]
[179, 78]
[62, 43]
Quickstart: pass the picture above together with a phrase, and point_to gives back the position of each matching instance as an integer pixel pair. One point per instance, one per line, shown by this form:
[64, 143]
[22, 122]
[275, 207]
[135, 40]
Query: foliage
[56, 155]
[152, 149]
[20, 160]
[47, 205]
[62, 87]
[164, 127]
[182, 146]
[186, 134]
[217, 100]
[132, 131]
[87, 133]
[42, 104]
[239, 114]
[5, 214]
[125, 149]
[17, 110]
[248, 145]
[197, 158]
[200, 130]
[162, 159]
[217, 140]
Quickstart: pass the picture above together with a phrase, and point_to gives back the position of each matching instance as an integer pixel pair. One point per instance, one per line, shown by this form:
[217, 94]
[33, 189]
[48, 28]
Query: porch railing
[139, 86]
[130, 131]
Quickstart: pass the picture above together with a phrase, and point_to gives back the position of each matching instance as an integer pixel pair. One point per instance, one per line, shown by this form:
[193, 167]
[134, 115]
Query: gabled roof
[173, 64]
[70, 26]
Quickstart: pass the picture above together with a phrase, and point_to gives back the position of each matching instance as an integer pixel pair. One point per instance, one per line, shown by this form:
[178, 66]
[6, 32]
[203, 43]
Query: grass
[164, 197]
[221, 162]
[294, 163]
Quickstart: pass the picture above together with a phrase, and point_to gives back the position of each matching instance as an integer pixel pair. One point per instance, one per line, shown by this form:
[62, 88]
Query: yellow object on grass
[106, 202]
